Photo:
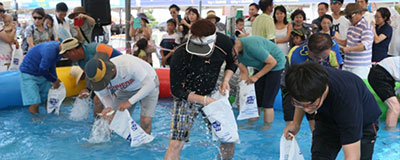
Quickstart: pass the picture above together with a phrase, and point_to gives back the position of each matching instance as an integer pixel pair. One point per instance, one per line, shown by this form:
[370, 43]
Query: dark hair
[326, 5]
[203, 28]
[61, 7]
[141, 44]
[239, 20]
[174, 6]
[189, 8]
[366, 1]
[47, 16]
[195, 11]
[256, 15]
[327, 16]
[306, 82]
[297, 12]
[319, 42]
[171, 21]
[263, 4]
[282, 9]
[255, 5]
[1, 4]
[39, 11]
[385, 13]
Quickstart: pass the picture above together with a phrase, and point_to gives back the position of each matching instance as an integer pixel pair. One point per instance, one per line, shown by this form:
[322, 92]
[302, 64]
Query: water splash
[100, 131]
[81, 109]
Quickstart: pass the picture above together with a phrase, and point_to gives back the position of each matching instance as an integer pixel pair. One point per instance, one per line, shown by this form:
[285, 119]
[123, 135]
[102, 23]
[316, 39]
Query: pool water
[44, 136]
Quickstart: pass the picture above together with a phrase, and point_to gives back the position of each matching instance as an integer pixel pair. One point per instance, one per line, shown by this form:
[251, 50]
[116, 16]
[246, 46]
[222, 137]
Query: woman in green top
[268, 61]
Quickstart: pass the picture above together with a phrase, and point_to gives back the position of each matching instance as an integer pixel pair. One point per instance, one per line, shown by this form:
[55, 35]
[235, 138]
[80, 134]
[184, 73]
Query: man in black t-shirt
[346, 112]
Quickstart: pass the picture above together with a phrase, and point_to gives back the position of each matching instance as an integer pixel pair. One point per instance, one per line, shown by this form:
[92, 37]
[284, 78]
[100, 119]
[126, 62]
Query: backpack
[25, 45]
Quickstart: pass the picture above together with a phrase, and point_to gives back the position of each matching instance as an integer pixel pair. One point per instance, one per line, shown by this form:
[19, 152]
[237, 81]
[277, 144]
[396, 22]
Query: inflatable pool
[10, 94]
[381, 104]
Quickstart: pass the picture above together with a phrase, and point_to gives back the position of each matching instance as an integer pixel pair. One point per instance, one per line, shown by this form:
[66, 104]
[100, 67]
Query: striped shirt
[361, 33]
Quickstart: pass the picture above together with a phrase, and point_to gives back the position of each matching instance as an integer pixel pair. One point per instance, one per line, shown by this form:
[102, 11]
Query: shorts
[382, 82]
[326, 141]
[288, 108]
[148, 104]
[267, 88]
[183, 115]
[34, 89]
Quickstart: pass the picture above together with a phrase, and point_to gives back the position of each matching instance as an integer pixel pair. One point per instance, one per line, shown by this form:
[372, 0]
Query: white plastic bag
[81, 109]
[220, 115]
[289, 149]
[16, 59]
[248, 101]
[55, 99]
[100, 131]
[127, 128]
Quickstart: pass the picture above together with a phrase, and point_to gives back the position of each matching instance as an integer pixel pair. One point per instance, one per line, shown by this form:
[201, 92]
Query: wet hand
[124, 105]
[84, 93]
[224, 87]
[105, 113]
[291, 128]
[252, 79]
[56, 84]
[209, 100]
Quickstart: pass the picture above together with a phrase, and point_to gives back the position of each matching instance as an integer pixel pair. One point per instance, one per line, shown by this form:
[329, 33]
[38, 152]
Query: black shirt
[349, 105]
[380, 50]
[190, 73]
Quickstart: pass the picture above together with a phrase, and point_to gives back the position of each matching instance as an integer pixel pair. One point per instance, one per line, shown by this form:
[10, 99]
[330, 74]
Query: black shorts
[382, 82]
[288, 108]
[267, 87]
[326, 141]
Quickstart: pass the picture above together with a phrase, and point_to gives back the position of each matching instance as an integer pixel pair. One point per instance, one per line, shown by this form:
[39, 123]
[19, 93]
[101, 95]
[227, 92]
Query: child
[140, 52]
[240, 32]
[169, 41]
[9, 27]
[298, 38]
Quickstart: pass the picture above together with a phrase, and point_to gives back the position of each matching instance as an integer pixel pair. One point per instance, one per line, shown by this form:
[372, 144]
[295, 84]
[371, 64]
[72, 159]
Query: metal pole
[200, 6]
[127, 26]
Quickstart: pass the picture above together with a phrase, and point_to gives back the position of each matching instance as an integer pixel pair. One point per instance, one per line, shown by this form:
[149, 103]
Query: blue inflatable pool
[10, 94]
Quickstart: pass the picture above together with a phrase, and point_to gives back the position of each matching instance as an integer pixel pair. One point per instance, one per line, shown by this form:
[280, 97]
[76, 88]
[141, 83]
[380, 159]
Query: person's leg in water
[227, 150]
[259, 87]
[271, 90]
[34, 109]
[174, 150]
[392, 113]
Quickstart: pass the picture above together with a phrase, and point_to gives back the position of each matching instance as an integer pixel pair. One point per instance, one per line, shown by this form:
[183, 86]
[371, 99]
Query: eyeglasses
[309, 106]
[2, 10]
[350, 16]
[37, 18]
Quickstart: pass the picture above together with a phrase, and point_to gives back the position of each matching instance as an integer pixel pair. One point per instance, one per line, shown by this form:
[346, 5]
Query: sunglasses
[37, 18]
[2, 10]
[313, 105]
[350, 16]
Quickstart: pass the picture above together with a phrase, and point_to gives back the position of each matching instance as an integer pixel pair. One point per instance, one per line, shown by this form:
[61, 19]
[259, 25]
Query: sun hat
[76, 72]
[201, 46]
[76, 11]
[212, 15]
[68, 44]
[143, 16]
[99, 71]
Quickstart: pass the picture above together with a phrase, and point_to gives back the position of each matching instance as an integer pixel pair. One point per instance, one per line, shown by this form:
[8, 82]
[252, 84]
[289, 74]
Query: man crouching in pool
[346, 111]
[81, 54]
[133, 80]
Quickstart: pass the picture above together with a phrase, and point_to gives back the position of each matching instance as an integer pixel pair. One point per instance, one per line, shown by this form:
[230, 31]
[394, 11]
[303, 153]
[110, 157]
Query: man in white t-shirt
[366, 14]
[131, 78]
[253, 10]
[394, 47]
[340, 23]
[63, 27]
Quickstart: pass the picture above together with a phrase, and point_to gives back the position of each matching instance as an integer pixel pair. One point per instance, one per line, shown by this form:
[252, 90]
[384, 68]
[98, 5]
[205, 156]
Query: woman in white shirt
[283, 29]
